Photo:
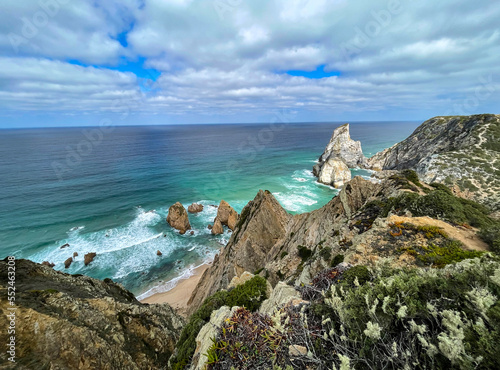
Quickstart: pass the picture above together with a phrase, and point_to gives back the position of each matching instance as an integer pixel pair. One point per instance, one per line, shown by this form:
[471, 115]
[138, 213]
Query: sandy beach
[179, 295]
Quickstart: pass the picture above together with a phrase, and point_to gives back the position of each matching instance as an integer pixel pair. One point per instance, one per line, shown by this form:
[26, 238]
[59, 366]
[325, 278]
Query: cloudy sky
[207, 61]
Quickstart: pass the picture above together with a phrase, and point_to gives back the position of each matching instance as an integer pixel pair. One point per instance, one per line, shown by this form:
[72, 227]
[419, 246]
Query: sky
[129, 62]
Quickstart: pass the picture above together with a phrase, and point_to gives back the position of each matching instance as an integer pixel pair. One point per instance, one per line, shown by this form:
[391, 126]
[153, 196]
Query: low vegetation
[445, 318]
[249, 295]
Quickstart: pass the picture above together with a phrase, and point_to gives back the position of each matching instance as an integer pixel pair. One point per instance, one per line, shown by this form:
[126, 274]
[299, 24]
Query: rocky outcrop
[217, 229]
[342, 146]
[76, 322]
[89, 257]
[334, 172]
[68, 262]
[262, 223]
[195, 208]
[49, 264]
[340, 154]
[460, 150]
[227, 215]
[178, 218]
[280, 296]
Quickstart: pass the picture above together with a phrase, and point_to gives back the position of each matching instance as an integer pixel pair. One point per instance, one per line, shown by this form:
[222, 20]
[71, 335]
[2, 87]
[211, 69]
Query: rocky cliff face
[76, 322]
[340, 154]
[459, 150]
[262, 223]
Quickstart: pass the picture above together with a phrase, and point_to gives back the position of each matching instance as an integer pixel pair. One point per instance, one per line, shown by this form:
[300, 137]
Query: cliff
[76, 322]
[459, 150]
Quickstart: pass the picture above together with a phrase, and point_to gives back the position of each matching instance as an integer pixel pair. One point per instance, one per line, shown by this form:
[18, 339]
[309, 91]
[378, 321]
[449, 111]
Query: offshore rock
[217, 229]
[227, 215]
[334, 172]
[178, 218]
[342, 146]
[76, 322]
[89, 257]
[68, 262]
[195, 208]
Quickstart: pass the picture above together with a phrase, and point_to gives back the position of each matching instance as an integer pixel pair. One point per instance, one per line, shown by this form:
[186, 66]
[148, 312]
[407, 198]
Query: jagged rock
[334, 172]
[76, 322]
[158, 253]
[64, 246]
[454, 150]
[262, 223]
[280, 296]
[68, 262]
[217, 228]
[49, 264]
[89, 257]
[209, 227]
[294, 350]
[239, 280]
[195, 208]
[227, 215]
[75, 254]
[207, 333]
[178, 218]
[342, 146]
[191, 233]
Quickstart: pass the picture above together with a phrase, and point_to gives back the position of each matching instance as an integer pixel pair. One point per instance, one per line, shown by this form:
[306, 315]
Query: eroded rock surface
[178, 218]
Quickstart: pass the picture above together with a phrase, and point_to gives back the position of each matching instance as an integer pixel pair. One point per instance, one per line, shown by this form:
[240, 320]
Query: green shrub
[304, 253]
[360, 272]
[326, 253]
[250, 295]
[284, 254]
[491, 235]
[339, 258]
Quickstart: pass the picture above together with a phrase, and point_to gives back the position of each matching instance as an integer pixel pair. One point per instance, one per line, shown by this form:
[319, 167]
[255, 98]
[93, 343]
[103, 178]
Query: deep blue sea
[109, 191]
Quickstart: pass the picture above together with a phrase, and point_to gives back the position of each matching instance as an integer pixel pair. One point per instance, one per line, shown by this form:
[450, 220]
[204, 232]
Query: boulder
[158, 253]
[239, 280]
[68, 262]
[47, 263]
[89, 257]
[192, 232]
[334, 172]
[227, 215]
[195, 208]
[178, 218]
[75, 254]
[280, 296]
[217, 228]
[209, 227]
[64, 246]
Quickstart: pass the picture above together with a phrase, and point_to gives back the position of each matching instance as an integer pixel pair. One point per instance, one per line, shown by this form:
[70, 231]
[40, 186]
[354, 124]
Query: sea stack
[340, 154]
[227, 215]
[195, 208]
[89, 257]
[178, 218]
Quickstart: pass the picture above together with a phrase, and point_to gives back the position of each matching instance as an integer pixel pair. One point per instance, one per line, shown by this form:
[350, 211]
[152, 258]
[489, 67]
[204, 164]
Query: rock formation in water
[76, 322]
[340, 154]
[227, 215]
[178, 218]
[89, 257]
[217, 229]
[195, 208]
[455, 150]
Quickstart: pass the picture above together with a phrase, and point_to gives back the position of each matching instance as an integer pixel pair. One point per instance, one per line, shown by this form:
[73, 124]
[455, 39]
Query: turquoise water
[113, 197]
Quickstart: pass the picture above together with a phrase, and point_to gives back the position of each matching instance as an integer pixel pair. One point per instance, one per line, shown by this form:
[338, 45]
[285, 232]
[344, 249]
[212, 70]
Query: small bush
[284, 254]
[304, 253]
[326, 253]
[339, 258]
[360, 272]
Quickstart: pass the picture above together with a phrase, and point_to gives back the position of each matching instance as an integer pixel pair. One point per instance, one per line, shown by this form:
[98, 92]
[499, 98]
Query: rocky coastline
[315, 287]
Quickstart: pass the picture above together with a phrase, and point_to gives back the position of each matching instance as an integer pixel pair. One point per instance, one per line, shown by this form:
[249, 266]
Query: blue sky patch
[316, 74]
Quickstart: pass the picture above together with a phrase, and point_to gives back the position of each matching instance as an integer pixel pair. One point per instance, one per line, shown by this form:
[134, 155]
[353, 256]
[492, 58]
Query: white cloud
[228, 57]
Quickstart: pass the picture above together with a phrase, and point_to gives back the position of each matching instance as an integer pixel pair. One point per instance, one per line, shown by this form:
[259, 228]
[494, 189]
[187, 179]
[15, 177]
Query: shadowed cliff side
[76, 322]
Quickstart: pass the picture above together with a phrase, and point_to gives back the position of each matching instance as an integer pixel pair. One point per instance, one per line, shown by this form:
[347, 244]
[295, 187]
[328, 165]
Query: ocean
[108, 190]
